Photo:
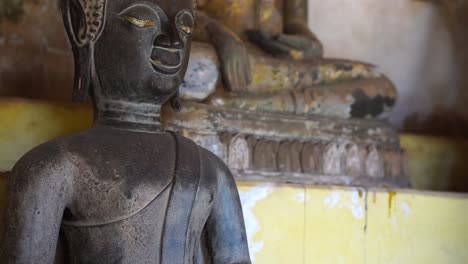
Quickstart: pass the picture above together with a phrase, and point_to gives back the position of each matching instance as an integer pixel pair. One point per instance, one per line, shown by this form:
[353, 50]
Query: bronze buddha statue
[126, 190]
[270, 61]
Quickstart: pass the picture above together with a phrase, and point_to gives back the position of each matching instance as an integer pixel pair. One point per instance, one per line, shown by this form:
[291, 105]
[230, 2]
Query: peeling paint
[332, 200]
[301, 198]
[406, 209]
[249, 200]
[357, 205]
[353, 201]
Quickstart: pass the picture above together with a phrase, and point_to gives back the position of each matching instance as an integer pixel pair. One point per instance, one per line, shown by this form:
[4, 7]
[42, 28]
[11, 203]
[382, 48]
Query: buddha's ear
[74, 19]
[82, 81]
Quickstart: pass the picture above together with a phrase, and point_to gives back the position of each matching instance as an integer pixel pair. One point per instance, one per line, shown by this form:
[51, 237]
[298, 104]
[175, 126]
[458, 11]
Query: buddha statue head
[129, 51]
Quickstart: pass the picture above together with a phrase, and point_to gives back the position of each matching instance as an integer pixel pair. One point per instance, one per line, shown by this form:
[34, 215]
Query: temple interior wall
[35, 56]
[418, 44]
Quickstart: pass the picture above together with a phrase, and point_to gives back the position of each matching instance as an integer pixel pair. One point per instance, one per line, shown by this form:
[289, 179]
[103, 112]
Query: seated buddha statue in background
[270, 61]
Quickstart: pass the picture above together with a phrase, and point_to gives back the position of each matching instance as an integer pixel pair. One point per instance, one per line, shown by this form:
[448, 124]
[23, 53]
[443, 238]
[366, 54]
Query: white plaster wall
[407, 39]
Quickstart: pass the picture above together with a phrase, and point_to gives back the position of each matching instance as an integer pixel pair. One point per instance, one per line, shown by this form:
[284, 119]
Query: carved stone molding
[277, 148]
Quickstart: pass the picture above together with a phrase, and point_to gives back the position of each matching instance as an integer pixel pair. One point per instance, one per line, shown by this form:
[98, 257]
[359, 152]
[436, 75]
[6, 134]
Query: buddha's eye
[141, 23]
[185, 22]
[140, 16]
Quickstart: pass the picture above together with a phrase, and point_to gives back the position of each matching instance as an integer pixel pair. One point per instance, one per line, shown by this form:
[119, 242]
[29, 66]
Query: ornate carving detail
[373, 163]
[332, 159]
[248, 153]
[94, 14]
[353, 163]
[289, 156]
[239, 153]
[291, 149]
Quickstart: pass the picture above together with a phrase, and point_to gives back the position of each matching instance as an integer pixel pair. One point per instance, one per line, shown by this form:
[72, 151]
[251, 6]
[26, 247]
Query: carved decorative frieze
[264, 148]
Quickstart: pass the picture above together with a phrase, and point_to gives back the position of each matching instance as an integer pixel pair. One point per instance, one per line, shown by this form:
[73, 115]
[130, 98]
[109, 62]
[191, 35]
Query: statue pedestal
[294, 149]
[327, 87]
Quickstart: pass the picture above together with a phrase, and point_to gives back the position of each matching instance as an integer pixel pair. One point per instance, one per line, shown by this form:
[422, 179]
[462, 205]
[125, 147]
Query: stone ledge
[283, 148]
[206, 119]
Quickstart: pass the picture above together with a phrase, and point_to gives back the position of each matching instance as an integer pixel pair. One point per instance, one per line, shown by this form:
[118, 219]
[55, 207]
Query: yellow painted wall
[437, 163]
[298, 224]
[25, 124]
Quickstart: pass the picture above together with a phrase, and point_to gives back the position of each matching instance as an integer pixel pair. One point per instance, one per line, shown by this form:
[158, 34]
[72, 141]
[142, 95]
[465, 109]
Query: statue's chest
[135, 239]
[117, 193]
[114, 185]
[270, 16]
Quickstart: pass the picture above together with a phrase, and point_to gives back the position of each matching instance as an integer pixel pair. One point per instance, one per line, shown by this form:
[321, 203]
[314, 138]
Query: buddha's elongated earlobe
[73, 18]
[84, 22]
[82, 73]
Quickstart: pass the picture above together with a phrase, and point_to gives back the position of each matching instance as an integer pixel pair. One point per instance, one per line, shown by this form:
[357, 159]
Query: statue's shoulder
[58, 149]
[216, 168]
[43, 164]
[210, 160]
[213, 170]
[48, 154]
[52, 155]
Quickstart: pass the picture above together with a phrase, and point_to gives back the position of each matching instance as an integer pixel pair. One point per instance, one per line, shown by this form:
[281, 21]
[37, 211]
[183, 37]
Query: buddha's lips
[166, 60]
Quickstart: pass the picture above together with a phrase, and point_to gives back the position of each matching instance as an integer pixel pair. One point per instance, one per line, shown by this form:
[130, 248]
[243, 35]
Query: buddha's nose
[162, 40]
[169, 39]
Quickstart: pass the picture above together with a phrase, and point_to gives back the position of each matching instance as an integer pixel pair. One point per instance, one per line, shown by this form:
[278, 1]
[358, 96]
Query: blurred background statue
[260, 94]
[270, 61]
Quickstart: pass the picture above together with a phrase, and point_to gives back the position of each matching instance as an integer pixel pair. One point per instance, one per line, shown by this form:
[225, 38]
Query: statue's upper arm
[38, 192]
[225, 227]
[44, 168]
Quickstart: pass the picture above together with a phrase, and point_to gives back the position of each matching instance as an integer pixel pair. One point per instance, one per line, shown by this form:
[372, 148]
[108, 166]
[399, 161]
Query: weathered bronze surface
[126, 190]
[266, 51]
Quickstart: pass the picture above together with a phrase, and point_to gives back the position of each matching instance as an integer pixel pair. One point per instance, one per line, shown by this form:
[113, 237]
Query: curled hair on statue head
[84, 21]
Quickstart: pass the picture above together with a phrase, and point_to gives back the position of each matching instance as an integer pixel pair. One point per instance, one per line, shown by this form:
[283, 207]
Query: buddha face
[142, 52]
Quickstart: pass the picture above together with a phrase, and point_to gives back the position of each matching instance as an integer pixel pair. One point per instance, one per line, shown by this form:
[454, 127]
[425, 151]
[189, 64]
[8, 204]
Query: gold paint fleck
[141, 23]
[266, 14]
[187, 30]
[296, 55]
